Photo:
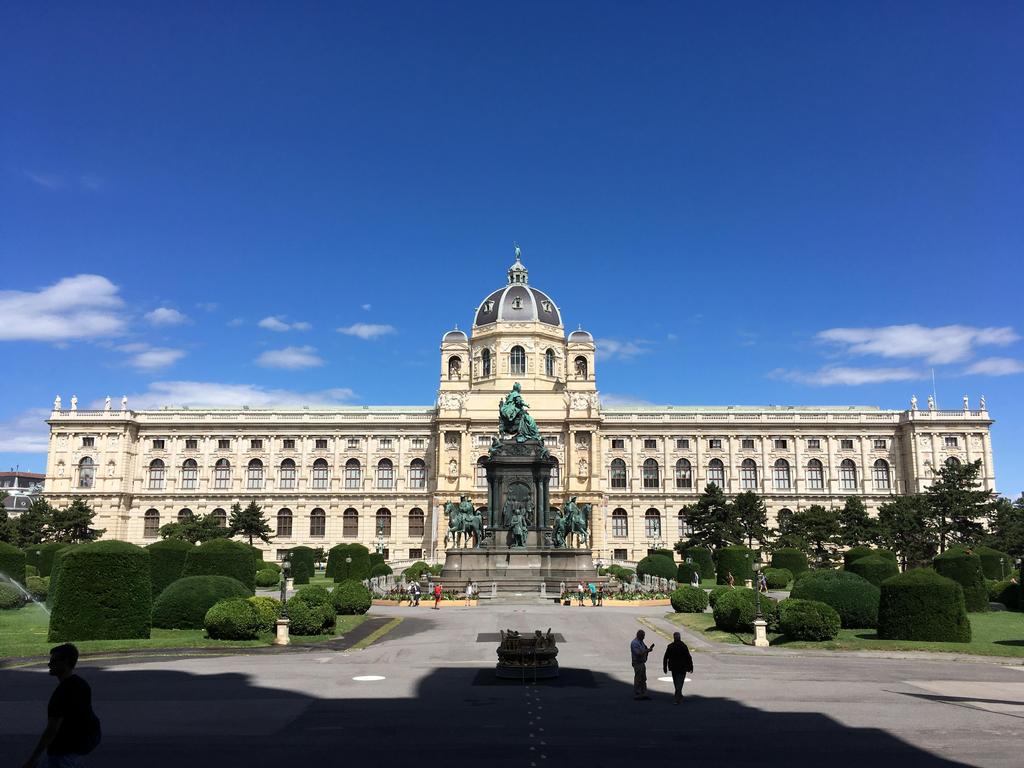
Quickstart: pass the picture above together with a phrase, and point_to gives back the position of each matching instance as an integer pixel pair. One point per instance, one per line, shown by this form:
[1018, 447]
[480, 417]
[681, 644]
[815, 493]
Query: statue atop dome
[514, 421]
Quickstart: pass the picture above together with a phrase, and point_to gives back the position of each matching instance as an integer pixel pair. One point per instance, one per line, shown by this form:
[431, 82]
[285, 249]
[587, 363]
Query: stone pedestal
[760, 633]
[290, 584]
[282, 638]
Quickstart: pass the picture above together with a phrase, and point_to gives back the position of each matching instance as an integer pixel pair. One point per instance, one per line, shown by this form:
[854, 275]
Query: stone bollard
[290, 585]
[282, 632]
[748, 583]
[760, 633]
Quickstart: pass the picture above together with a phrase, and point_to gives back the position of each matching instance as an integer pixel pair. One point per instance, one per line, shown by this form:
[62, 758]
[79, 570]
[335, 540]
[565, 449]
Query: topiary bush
[58, 560]
[777, 578]
[685, 572]
[703, 558]
[183, 604]
[853, 554]
[339, 569]
[717, 592]
[381, 569]
[105, 593]
[658, 566]
[923, 605]
[687, 599]
[232, 619]
[38, 586]
[11, 597]
[269, 611]
[318, 598]
[854, 598]
[1006, 592]
[351, 597]
[417, 569]
[12, 562]
[268, 565]
[30, 570]
[874, 568]
[257, 556]
[303, 565]
[376, 558]
[620, 573]
[964, 568]
[305, 619]
[735, 610]
[268, 577]
[808, 620]
[222, 557]
[793, 560]
[41, 555]
[995, 564]
[167, 562]
[670, 554]
[737, 560]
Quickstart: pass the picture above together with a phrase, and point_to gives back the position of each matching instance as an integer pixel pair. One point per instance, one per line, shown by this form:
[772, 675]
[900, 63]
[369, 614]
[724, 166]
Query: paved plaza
[438, 701]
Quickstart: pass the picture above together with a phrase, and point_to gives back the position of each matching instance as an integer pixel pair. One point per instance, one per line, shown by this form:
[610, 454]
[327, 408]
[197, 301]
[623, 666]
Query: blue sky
[795, 203]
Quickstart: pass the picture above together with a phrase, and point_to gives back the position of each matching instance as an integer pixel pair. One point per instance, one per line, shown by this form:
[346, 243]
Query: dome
[581, 336]
[455, 336]
[518, 301]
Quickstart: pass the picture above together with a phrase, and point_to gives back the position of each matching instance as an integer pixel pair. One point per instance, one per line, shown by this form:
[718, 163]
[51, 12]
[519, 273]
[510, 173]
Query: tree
[751, 517]
[249, 522]
[819, 529]
[319, 555]
[32, 525]
[857, 528]
[1006, 522]
[903, 527]
[711, 520]
[195, 530]
[956, 504]
[72, 523]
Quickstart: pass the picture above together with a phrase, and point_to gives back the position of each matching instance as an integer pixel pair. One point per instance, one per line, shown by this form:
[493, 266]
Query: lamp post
[282, 623]
[380, 538]
[760, 625]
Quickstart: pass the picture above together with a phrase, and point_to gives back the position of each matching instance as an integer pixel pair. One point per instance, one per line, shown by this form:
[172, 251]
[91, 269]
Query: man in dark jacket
[678, 661]
[72, 729]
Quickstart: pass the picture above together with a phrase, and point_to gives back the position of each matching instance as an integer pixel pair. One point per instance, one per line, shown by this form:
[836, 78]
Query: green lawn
[992, 634]
[23, 633]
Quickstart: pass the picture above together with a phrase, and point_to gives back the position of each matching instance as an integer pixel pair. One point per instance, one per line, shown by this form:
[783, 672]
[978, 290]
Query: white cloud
[291, 358]
[45, 180]
[277, 323]
[207, 306]
[610, 349]
[148, 358]
[217, 395]
[26, 433]
[236, 322]
[366, 307]
[943, 344]
[79, 307]
[166, 316]
[996, 366]
[367, 330]
[836, 375]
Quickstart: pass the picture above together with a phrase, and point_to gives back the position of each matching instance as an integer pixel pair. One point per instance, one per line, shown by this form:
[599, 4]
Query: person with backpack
[72, 728]
[414, 595]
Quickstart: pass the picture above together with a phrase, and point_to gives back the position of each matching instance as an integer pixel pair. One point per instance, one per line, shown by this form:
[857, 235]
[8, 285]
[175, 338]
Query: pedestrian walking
[730, 579]
[762, 582]
[72, 728]
[600, 595]
[469, 592]
[678, 661]
[638, 653]
[694, 579]
[437, 596]
[579, 593]
[414, 595]
[593, 593]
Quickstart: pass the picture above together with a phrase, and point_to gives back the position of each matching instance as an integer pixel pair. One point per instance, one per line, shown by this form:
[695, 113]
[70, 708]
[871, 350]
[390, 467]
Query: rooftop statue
[514, 421]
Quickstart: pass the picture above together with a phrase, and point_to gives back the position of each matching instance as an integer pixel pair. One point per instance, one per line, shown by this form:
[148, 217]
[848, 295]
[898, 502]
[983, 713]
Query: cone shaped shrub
[793, 560]
[687, 599]
[874, 568]
[183, 604]
[964, 568]
[232, 619]
[222, 557]
[738, 560]
[167, 562]
[923, 605]
[854, 598]
[12, 562]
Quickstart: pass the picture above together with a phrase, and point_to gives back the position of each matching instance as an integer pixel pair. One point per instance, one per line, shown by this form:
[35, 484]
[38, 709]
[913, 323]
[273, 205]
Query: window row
[516, 364]
[317, 522]
[287, 443]
[748, 443]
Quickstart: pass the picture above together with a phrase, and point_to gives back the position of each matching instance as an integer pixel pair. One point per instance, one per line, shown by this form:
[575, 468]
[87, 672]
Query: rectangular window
[715, 443]
[814, 444]
[620, 526]
[255, 445]
[320, 476]
[417, 475]
[158, 445]
[384, 444]
[288, 444]
[418, 443]
[223, 445]
[482, 441]
[191, 444]
[618, 444]
[846, 445]
[782, 445]
[650, 444]
[951, 442]
[815, 476]
[550, 439]
[320, 444]
[747, 444]
[353, 480]
[350, 524]
[353, 443]
[683, 444]
[880, 444]
[415, 554]
[317, 525]
[88, 442]
[619, 554]
[287, 476]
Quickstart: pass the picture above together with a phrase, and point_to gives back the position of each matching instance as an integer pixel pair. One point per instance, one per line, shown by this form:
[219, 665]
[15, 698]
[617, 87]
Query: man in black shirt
[72, 729]
[679, 662]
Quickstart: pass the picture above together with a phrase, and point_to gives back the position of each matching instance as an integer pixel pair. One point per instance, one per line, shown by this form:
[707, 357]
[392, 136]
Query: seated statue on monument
[514, 421]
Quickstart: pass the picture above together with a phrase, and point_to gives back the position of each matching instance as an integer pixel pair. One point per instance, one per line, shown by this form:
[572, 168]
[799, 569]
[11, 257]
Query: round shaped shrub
[37, 586]
[381, 569]
[10, 597]
[622, 574]
[808, 620]
[12, 562]
[717, 592]
[303, 565]
[167, 562]
[105, 593]
[853, 554]
[923, 605]
[777, 578]
[264, 565]
[687, 599]
[995, 564]
[874, 568]
[854, 598]
[268, 577]
[736, 609]
[30, 571]
[313, 594]
[1006, 592]
[736, 560]
[658, 566]
[685, 572]
[184, 603]
[351, 597]
[268, 609]
[358, 569]
[417, 569]
[305, 619]
[41, 555]
[703, 559]
[964, 568]
[232, 619]
[221, 557]
[793, 560]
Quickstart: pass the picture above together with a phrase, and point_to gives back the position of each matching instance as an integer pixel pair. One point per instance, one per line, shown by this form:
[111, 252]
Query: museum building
[380, 475]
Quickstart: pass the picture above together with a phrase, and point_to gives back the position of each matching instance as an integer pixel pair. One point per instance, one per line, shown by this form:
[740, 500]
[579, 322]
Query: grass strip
[377, 634]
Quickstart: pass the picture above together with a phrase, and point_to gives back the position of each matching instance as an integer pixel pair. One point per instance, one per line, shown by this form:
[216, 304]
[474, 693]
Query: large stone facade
[342, 474]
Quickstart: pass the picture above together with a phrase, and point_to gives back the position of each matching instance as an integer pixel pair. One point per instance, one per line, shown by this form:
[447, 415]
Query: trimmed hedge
[30, 570]
[232, 619]
[874, 568]
[923, 605]
[376, 558]
[687, 599]
[717, 592]
[853, 554]
[964, 568]
[995, 564]
[41, 555]
[268, 577]
[38, 586]
[184, 603]
[777, 578]
[305, 619]
[351, 597]
[854, 598]
[414, 571]
[1006, 592]
[318, 598]
[265, 565]
[269, 611]
[222, 557]
[793, 560]
[359, 569]
[737, 560]
[657, 565]
[735, 610]
[303, 565]
[808, 620]
[620, 573]
[105, 593]
[685, 572]
[669, 553]
[703, 558]
[381, 569]
[257, 556]
[11, 597]
[167, 562]
[58, 560]
[12, 562]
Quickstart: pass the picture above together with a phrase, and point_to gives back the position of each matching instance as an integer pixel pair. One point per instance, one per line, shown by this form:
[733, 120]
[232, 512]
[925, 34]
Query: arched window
[748, 475]
[385, 474]
[952, 461]
[189, 475]
[485, 363]
[151, 524]
[618, 473]
[221, 517]
[556, 474]
[454, 367]
[254, 475]
[620, 523]
[815, 475]
[783, 518]
[415, 523]
[321, 473]
[517, 361]
[652, 524]
[480, 478]
[684, 527]
[317, 523]
[716, 473]
[383, 526]
[780, 474]
[650, 474]
[848, 475]
[288, 474]
[284, 523]
[350, 523]
[222, 474]
[417, 474]
[353, 474]
[880, 474]
[157, 473]
[549, 363]
[580, 366]
[684, 474]
[86, 473]
[184, 515]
